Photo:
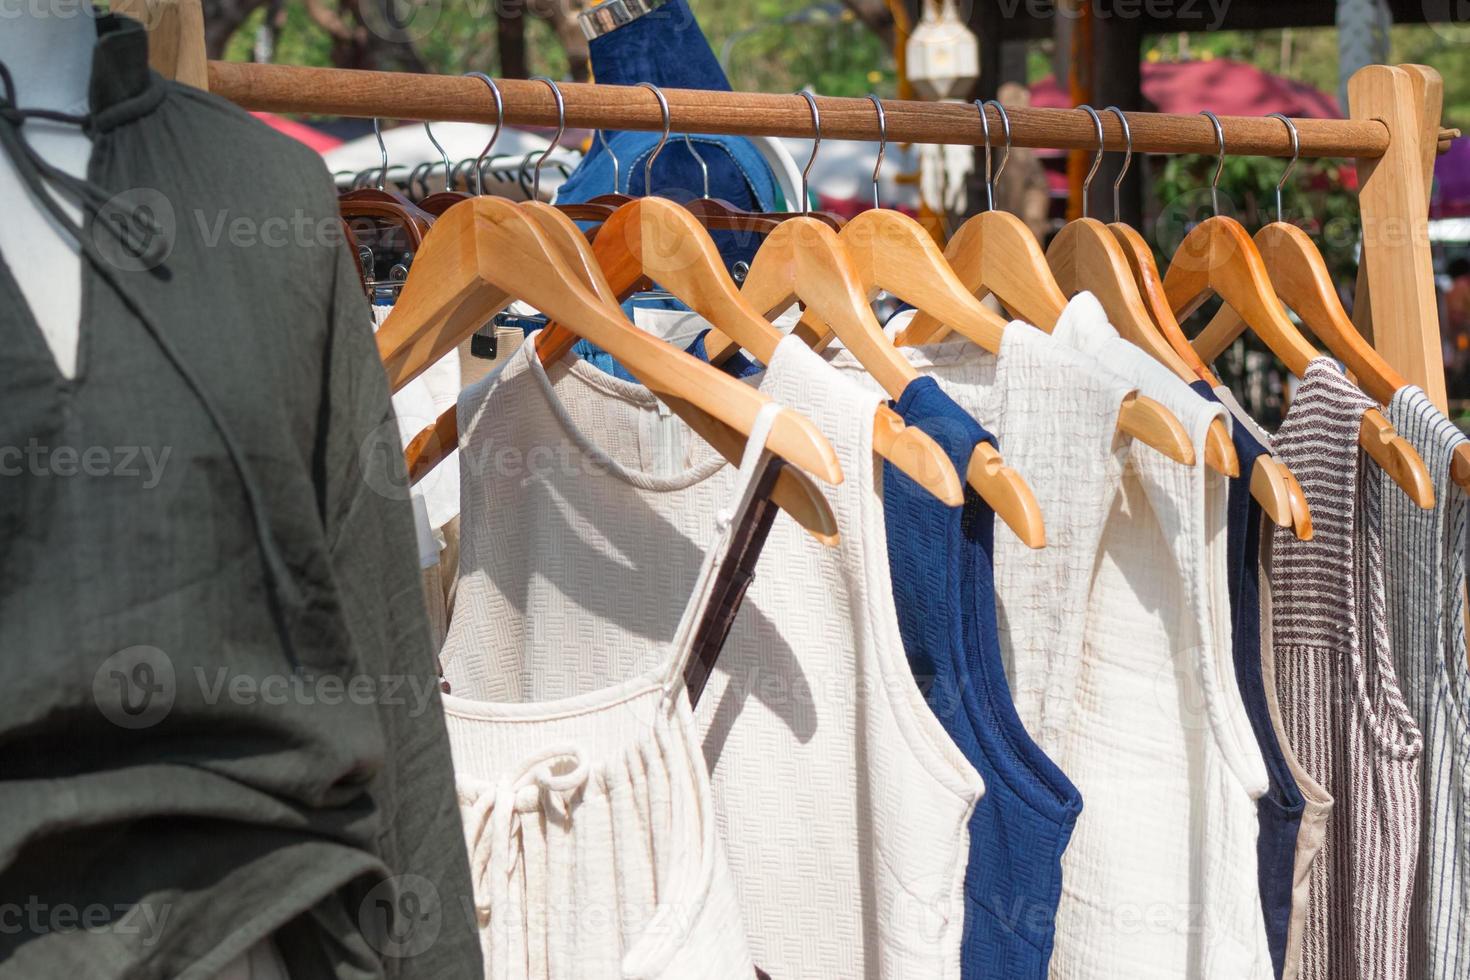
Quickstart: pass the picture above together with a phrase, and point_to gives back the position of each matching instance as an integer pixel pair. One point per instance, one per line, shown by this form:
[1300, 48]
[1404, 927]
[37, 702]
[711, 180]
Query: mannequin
[48, 49]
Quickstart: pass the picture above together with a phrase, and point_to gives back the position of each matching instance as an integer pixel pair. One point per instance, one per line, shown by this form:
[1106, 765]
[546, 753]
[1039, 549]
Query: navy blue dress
[941, 564]
[1280, 810]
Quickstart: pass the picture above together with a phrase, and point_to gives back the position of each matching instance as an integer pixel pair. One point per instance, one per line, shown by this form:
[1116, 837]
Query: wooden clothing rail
[400, 95]
[1393, 134]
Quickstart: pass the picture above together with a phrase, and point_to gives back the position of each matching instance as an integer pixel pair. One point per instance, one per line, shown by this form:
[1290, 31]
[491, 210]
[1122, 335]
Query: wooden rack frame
[1393, 135]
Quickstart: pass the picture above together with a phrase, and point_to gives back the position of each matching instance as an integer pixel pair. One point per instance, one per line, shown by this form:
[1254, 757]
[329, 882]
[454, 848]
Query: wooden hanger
[1085, 255]
[654, 228]
[486, 251]
[434, 444]
[381, 204]
[1218, 256]
[655, 239]
[601, 207]
[719, 215]
[995, 252]
[665, 243]
[891, 251]
[440, 201]
[1300, 278]
[1272, 485]
[989, 257]
[803, 260]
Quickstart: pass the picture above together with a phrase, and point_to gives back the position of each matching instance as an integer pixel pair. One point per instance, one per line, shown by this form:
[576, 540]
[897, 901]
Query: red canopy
[1230, 88]
[314, 138]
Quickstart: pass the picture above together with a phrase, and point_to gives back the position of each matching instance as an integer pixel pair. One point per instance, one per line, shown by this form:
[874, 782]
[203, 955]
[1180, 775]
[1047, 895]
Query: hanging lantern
[943, 54]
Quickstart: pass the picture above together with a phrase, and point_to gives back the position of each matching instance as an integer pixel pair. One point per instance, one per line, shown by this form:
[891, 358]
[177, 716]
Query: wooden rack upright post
[1393, 135]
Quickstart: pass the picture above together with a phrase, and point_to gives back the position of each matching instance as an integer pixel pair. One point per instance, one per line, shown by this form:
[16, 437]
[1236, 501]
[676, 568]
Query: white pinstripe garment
[1425, 553]
[1340, 700]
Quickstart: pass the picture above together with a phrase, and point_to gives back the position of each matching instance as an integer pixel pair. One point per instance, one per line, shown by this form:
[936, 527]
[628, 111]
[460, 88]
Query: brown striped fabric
[1340, 699]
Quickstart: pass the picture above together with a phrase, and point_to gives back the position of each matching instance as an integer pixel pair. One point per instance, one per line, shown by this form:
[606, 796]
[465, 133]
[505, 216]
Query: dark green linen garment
[219, 715]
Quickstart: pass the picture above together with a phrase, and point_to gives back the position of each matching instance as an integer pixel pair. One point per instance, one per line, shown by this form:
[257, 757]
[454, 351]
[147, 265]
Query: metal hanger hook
[443, 155]
[703, 167]
[383, 152]
[617, 165]
[985, 134]
[882, 144]
[1220, 163]
[811, 101]
[1127, 158]
[663, 107]
[561, 128]
[1096, 157]
[1296, 155]
[495, 136]
[1005, 130]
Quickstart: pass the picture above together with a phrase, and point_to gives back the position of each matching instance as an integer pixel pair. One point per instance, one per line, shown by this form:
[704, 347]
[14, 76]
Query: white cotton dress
[589, 818]
[841, 801]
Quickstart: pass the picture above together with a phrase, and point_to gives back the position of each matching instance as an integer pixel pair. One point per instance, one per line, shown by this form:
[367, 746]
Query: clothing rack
[1393, 134]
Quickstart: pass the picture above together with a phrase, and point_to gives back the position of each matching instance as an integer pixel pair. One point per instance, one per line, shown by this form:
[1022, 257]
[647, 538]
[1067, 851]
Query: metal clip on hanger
[995, 252]
[1218, 256]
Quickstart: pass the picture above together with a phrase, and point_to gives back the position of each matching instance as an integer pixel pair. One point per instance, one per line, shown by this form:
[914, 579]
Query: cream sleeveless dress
[1113, 635]
[589, 818]
[842, 802]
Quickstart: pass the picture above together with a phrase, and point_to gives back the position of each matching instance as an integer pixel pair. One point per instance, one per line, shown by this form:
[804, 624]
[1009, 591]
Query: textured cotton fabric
[1311, 827]
[1280, 808]
[220, 719]
[1056, 417]
[589, 820]
[1160, 743]
[1110, 642]
[940, 557]
[1425, 577]
[1339, 696]
[841, 800]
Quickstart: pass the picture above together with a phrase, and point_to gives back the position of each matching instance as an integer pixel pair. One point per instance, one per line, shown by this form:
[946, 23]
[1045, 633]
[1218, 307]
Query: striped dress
[1425, 554]
[1339, 696]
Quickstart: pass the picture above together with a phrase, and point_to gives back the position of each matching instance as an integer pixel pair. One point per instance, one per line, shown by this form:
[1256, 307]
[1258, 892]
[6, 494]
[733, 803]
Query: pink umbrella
[1227, 87]
[1452, 182]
